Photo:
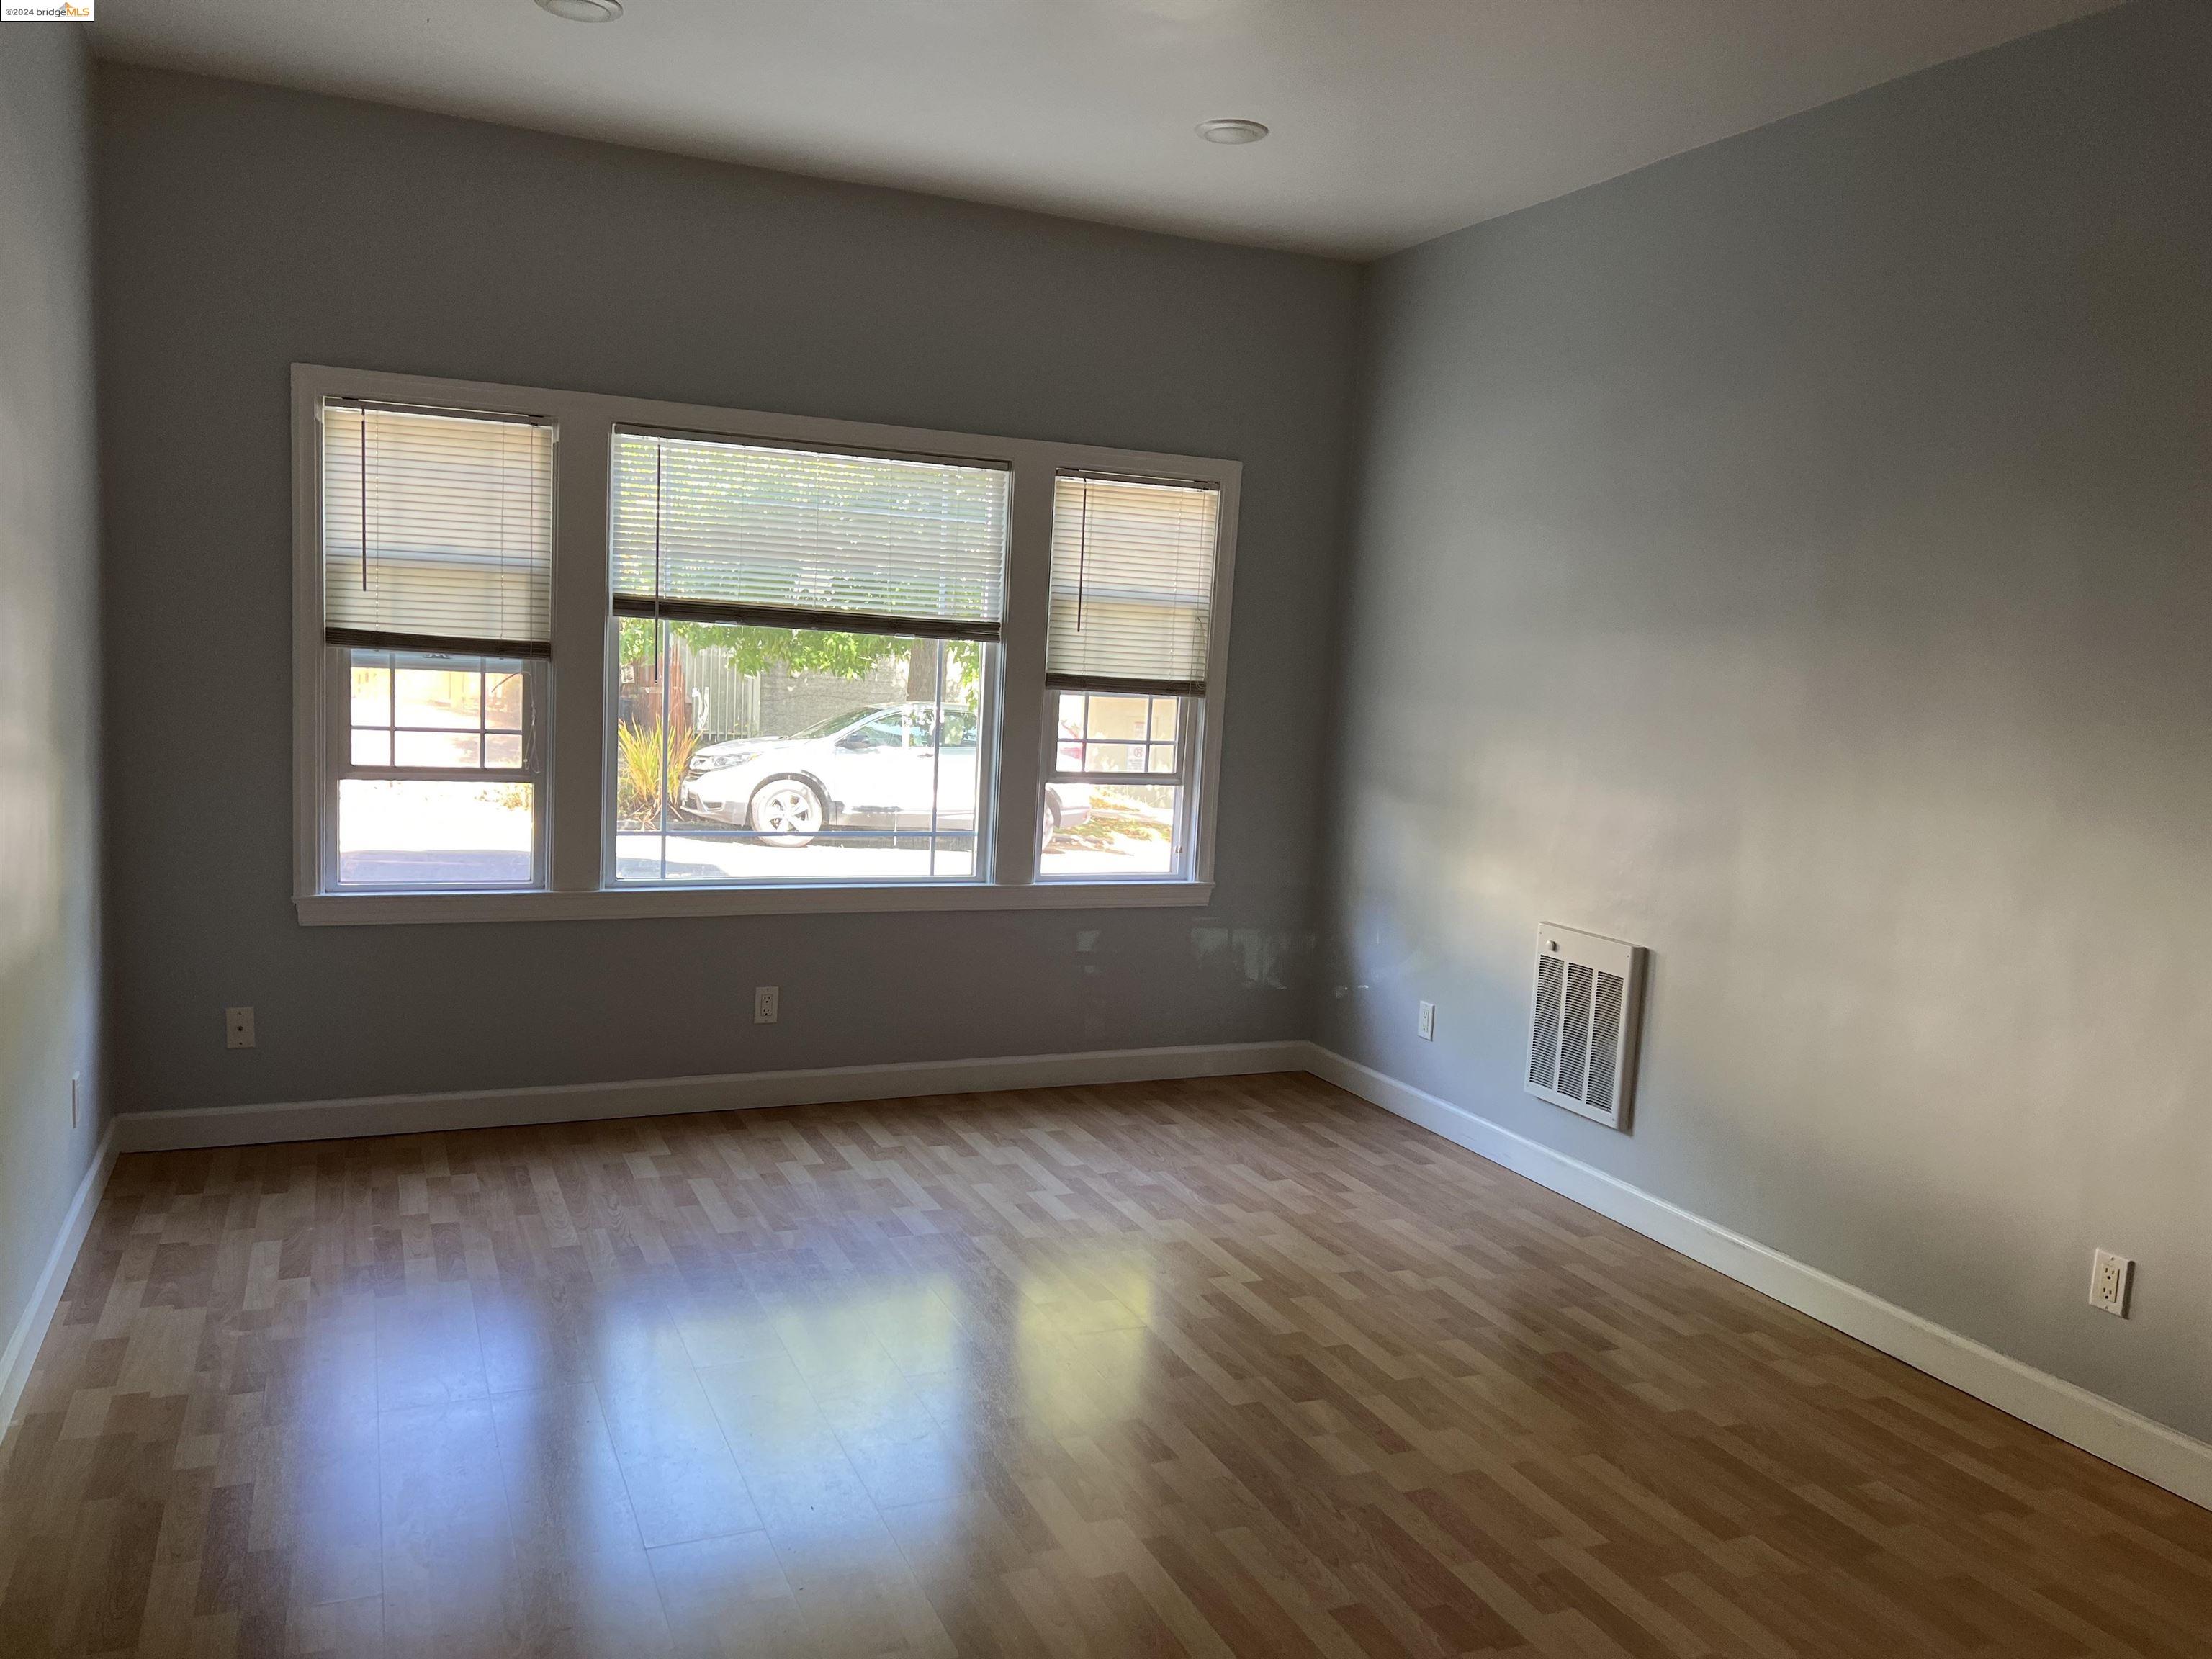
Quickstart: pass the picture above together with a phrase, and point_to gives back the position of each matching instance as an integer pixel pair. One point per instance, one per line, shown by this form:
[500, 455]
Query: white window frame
[575, 814]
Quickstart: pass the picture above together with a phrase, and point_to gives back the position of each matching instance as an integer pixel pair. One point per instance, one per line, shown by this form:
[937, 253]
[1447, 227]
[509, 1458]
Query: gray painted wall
[49, 647]
[1796, 558]
[244, 228]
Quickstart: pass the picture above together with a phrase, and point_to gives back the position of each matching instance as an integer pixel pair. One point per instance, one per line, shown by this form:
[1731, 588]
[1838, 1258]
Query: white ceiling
[1395, 120]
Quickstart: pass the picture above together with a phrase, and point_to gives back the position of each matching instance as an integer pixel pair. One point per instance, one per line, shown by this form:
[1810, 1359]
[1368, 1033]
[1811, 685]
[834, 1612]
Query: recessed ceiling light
[584, 11]
[1229, 130]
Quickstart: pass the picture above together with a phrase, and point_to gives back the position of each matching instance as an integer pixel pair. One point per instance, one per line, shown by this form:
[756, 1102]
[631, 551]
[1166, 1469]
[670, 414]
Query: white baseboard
[2100, 1426]
[22, 1350]
[486, 1109]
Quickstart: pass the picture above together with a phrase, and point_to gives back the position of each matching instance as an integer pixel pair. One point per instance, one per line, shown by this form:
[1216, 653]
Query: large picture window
[807, 644]
[568, 654]
[760, 754]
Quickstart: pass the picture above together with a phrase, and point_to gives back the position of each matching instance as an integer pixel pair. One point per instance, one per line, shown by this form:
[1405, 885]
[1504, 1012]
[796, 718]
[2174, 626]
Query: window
[728, 769]
[1126, 652]
[756, 739]
[1115, 797]
[568, 654]
[434, 790]
[436, 560]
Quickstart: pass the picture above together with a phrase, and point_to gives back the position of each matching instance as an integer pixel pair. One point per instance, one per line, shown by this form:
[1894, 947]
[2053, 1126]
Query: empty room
[1314, 829]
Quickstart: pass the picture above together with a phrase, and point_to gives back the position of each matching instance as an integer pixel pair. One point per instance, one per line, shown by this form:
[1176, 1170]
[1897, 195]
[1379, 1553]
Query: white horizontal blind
[437, 530]
[1132, 584]
[717, 530]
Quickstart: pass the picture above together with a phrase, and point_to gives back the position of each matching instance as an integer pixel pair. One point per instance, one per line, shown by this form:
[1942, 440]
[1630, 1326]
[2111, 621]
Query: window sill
[392, 909]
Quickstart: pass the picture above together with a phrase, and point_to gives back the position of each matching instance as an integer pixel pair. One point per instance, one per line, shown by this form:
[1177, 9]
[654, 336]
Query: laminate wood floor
[1231, 1367]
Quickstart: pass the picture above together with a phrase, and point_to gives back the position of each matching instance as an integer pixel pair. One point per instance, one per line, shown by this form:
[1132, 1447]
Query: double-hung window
[1133, 575]
[436, 566]
[571, 654]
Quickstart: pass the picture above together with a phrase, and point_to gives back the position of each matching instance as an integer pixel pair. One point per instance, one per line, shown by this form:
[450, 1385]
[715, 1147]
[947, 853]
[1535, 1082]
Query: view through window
[750, 754]
[805, 642]
[409, 812]
[1114, 798]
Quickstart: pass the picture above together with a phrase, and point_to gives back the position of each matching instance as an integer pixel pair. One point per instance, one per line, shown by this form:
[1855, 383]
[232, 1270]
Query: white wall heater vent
[1583, 1023]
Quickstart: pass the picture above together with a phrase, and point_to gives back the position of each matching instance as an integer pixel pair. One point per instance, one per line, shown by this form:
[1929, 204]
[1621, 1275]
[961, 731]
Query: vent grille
[1574, 1033]
[1544, 1033]
[1605, 1040]
[1582, 1022]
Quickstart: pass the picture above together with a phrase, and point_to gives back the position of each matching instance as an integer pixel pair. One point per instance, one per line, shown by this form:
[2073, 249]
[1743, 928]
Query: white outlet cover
[2111, 1276]
[1425, 1022]
[765, 998]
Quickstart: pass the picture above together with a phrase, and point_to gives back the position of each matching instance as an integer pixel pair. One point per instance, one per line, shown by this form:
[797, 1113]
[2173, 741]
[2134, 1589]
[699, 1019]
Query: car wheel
[787, 812]
[1050, 826]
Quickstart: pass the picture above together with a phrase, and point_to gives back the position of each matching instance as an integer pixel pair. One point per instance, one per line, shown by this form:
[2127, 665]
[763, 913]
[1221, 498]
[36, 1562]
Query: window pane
[458, 834]
[440, 701]
[371, 689]
[436, 749]
[1114, 757]
[754, 754]
[1118, 718]
[1098, 830]
[1125, 734]
[440, 696]
[503, 696]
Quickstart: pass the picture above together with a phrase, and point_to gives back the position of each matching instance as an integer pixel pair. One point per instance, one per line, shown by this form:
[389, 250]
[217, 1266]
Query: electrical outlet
[238, 1028]
[2110, 1278]
[76, 1081]
[1425, 1022]
[764, 1002]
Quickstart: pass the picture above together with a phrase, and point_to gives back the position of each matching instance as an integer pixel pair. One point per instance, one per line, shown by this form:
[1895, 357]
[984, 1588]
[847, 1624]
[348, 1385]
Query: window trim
[576, 814]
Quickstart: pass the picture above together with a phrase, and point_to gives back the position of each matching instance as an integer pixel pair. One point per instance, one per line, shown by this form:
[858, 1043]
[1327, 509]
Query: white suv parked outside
[877, 769]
